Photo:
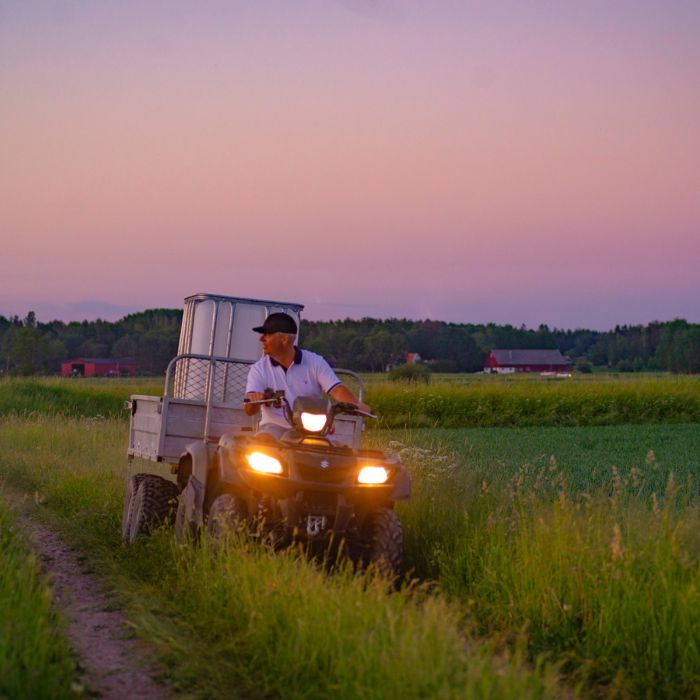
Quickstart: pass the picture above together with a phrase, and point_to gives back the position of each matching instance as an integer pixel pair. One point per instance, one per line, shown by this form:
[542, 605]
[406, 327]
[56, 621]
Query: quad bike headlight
[266, 464]
[313, 422]
[373, 474]
[311, 414]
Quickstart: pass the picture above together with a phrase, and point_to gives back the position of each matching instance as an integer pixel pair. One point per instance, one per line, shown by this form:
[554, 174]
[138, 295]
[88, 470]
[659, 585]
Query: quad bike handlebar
[277, 399]
[270, 396]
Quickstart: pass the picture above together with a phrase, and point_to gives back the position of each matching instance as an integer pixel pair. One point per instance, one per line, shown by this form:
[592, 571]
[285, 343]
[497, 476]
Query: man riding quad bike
[305, 488]
[297, 474]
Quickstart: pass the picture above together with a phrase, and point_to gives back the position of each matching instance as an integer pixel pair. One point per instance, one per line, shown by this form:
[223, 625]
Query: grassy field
[452, 401]
[72, 397]
[35, 661]
[543, 551]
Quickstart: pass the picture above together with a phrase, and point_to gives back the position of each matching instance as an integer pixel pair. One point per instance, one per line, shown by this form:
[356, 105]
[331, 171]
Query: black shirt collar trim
[297, 358]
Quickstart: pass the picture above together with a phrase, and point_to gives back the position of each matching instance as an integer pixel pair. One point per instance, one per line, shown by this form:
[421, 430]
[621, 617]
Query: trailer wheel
[226, 514]
[384, 541]
[153, 504]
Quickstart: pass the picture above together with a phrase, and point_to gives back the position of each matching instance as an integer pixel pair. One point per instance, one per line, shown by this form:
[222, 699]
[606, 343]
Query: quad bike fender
[226, 450]
[200, 456]
[402, 487]
[193, 471]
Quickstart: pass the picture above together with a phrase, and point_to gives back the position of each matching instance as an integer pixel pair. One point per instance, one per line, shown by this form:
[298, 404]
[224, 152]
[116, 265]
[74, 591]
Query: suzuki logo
[325, 464]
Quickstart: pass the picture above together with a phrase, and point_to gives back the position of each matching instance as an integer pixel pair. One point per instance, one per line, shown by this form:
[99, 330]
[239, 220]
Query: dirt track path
[111, 665]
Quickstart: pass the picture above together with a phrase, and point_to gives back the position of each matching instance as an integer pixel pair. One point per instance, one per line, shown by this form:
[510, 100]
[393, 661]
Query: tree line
[28, 346]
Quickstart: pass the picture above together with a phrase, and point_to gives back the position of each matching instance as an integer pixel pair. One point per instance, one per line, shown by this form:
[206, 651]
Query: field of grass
[465, 401]
[35, 661]
[72, 397]
[542, 551]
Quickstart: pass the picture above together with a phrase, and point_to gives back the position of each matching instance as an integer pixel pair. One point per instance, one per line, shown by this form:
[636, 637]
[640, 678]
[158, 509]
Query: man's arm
[254, 382]
[341, 393]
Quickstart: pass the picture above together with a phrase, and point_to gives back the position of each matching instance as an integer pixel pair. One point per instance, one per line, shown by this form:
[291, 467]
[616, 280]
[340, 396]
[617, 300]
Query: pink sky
[522, 162]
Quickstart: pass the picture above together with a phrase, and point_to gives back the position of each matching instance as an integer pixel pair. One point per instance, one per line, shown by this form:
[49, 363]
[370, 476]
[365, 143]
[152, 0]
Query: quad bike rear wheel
[152, 505]
[132, 486]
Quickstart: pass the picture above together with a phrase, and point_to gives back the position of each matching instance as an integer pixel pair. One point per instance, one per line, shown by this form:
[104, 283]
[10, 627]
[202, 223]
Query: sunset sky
[517, 162]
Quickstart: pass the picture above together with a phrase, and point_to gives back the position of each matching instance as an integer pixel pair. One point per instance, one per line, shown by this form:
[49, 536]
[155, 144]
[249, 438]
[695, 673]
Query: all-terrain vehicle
[314, 485]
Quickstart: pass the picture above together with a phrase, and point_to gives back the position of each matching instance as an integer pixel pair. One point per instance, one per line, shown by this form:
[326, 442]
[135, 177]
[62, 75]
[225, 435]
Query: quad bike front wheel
[226, 514]
[383, 539]
[152, 505]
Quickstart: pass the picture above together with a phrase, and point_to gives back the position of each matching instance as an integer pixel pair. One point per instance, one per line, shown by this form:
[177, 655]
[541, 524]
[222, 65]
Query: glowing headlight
[313, 422]
[260, 462]
[372, 475]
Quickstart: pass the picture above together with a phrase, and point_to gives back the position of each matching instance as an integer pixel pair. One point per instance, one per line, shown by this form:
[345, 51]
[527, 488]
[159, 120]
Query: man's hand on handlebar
[254, 399]
[250, 405]
[356, 408]
[342, 394]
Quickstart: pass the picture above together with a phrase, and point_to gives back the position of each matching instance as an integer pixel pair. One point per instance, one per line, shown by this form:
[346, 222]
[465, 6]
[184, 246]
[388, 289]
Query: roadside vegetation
[35, 660]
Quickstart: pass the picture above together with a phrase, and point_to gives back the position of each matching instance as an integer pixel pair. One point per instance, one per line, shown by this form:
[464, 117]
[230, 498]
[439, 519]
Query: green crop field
[489, 401]
[452, 401]
[547, 560]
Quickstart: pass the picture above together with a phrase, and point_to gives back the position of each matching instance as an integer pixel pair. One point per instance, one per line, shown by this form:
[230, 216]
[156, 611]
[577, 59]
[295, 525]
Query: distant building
[508, 361]
[99, 367]
[412, 358]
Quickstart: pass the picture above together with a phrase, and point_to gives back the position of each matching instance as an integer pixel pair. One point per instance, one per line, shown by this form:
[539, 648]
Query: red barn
[99, 367]
[508, 361]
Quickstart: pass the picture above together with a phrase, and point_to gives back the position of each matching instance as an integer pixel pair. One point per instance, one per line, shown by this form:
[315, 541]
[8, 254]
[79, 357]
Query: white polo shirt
[308, 375]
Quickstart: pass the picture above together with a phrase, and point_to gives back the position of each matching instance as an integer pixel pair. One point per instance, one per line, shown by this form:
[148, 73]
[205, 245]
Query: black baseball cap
[278, 323]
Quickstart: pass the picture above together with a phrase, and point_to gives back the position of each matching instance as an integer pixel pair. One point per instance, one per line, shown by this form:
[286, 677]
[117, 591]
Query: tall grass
[35, 660]
[600, 570]
[237, 619]
[613, 590]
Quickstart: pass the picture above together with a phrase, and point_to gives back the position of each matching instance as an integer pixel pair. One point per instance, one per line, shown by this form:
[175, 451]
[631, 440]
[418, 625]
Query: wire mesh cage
[201, 378]
[218, 345]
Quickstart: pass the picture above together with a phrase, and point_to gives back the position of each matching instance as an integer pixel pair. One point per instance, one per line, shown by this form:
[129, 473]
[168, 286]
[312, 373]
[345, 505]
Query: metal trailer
[205, 382]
